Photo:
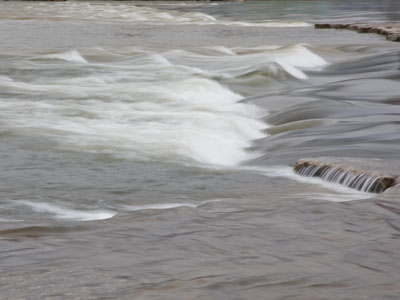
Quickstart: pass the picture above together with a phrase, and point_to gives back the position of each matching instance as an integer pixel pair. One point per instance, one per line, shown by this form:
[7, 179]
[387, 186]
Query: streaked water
[361, 182]
[146, 150]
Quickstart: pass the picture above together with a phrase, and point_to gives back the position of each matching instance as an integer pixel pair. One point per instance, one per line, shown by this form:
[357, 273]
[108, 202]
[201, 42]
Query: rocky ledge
[369, 175]
[390, 29]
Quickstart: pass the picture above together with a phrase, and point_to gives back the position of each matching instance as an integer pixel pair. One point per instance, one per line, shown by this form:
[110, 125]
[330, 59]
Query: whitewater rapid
[144, 105]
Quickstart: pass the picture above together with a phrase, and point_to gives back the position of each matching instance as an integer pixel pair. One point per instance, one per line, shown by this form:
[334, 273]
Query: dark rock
[321, 26]
[391, 30]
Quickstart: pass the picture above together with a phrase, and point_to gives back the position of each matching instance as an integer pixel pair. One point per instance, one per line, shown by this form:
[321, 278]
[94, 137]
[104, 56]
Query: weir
[363, 174]
[389, 29]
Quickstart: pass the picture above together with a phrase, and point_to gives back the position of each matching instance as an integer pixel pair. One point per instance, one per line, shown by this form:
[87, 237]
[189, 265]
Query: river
[147, 150]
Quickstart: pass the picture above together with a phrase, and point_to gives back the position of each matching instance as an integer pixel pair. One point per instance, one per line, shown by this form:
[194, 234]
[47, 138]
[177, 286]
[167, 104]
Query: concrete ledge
[390, 29]
[369, 175]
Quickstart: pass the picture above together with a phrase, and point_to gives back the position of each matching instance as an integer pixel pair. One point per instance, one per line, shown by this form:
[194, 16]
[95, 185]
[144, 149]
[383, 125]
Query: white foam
[5, 220]
[160, 59]
[333, 197]
[163, 206]
[300, 55]
[70, 56]
[148, 109]
[294, 59]
[158, 206]
[339, 192]
[6, 79]
[64, 213]
[222, 49]
[151, 106]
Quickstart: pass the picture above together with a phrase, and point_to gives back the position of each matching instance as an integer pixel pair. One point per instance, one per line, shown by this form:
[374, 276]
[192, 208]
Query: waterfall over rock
[368, 175]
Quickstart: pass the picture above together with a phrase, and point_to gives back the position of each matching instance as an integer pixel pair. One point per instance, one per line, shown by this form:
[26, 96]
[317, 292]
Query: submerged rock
[369, 175]
[390, 29]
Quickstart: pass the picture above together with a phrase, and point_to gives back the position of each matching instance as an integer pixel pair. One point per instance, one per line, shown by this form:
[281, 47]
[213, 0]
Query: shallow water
[146, 150]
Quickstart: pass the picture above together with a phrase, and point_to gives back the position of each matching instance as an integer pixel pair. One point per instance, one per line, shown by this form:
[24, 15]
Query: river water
[147, 150]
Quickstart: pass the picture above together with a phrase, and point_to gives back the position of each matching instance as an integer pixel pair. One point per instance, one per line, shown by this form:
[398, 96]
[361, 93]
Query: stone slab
[389, 29]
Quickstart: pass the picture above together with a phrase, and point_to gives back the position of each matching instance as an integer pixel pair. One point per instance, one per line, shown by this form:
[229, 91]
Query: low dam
[368, 175]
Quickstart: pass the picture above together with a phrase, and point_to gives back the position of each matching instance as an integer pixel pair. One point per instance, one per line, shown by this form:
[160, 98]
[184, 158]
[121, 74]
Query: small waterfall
[352, 178]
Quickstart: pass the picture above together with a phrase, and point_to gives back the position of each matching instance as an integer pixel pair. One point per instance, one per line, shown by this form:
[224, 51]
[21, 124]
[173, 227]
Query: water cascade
[360, 174]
